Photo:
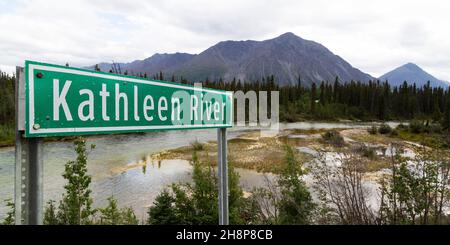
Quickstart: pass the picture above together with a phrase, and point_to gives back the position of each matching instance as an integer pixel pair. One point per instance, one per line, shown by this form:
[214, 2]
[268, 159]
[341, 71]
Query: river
[112, 165]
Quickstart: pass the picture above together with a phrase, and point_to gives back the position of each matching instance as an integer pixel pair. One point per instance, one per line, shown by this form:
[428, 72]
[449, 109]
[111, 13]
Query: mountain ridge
[287, 57]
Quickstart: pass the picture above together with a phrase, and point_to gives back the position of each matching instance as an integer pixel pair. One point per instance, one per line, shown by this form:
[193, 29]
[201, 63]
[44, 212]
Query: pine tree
[162, 211]
[313, 98]
[295, 205]
[75, 206]
[112, 215]
[50, 217]
[322, 93]
[446, 119]
[9, 220]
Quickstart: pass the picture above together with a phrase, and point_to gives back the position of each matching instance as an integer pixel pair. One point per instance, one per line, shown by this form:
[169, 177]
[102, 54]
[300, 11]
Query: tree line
[324, 100]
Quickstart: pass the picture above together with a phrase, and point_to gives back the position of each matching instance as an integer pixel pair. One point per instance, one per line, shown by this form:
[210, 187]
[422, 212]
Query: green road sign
[63, 101]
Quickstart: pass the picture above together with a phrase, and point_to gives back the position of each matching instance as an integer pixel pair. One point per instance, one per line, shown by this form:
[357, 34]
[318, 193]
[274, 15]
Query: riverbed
[121, 166]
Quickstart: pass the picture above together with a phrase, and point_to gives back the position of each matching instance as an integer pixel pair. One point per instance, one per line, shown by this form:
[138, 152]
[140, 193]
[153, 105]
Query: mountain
[286, 57]
[151, 65]
[412, 73]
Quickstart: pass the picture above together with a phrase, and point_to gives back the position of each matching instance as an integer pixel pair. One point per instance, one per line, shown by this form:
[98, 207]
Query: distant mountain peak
[288, 34]
[411, 65]
[412, 73]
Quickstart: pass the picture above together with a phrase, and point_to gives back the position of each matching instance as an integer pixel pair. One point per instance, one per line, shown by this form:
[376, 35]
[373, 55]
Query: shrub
[416, 127]
[372, 130]
[368, 152]
[197, 203]
[197, 146]
[433, 129]
[384, 129]
[333, 137]
[394, 132]
[296, 204]
[9, 220]
[113, 215]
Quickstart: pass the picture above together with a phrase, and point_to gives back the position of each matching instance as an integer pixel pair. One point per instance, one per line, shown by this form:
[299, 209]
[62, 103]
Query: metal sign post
[223, 175]
[28, 186]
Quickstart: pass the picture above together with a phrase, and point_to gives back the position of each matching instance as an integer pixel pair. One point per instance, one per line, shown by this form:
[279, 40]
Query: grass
[431, 140]
[264, 154]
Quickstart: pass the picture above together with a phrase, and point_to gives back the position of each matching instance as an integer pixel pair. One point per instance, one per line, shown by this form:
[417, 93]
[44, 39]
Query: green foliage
[394, 133]
[416, 193]
[50, 216]
[204, 194]
[163, 210]
[334, 138]
[433, 140]
[367, 152]
[9, 220]
[416, 127]
[446, 119]
[112, 215]
[384, 129]
[7, 109]
[7, 134]
[295, 205]
[75, 207]
[197, 145]
[197, 203]
[372, 130]
[7, 99]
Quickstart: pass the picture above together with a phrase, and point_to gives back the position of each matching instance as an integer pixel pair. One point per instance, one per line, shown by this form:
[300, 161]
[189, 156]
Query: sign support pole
[35, 182]
[28, 185]
[223, 175]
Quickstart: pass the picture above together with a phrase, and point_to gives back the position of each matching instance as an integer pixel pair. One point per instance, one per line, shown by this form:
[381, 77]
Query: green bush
[9, 220]
[75, 206]
[433, 129]
[113, 215]
[197, 203]
[334, 138]
[197, 146]
[394, 132]
[416, 127]
[368, 152]
[372, 130]
[7, 132]
[384, 129]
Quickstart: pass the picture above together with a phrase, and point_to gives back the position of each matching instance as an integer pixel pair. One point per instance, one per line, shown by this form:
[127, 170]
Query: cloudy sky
[374, 36]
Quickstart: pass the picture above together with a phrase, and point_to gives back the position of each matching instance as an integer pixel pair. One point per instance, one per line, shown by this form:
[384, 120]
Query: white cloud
[374, 36]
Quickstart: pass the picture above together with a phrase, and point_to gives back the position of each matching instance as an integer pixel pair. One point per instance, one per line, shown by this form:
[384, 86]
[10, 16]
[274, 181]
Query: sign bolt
[39, 75]
[36, 126]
